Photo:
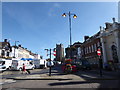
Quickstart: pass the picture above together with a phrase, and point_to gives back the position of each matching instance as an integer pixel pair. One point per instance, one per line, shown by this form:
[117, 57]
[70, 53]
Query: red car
[68, 68]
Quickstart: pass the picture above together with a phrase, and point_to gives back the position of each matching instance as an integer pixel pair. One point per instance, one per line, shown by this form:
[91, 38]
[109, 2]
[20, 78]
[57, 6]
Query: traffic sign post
[50, 58]
[99, 52]
[49, 61]
[100, 61]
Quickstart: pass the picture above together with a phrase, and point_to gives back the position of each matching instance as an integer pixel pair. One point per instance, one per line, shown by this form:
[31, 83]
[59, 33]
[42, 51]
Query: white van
[18, 64]
[39, 63]
[36, 63]
[6, 63]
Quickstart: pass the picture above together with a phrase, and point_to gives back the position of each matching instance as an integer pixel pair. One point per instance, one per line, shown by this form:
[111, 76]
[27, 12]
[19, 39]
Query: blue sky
[39, 25]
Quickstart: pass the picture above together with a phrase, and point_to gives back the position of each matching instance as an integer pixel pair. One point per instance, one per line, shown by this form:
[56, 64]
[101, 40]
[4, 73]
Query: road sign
[54, 53]
[99, 52]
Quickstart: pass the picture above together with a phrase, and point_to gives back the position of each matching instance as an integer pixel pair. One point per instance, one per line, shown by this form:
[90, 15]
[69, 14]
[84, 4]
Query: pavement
[58, 74]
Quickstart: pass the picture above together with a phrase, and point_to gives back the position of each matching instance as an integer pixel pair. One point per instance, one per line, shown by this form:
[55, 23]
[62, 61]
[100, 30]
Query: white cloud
[57, 5]
[52, 10]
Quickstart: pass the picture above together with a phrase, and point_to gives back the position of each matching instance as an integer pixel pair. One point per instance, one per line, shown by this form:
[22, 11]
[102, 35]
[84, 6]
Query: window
[98, 44]
[89, 49]
[95, 47]
[31, 63]
[3, 63]
[114, 53]
[85, 50]
[92, 48]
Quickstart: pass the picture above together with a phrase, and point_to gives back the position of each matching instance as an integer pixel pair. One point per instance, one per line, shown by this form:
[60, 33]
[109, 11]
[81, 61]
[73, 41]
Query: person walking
[23, 69]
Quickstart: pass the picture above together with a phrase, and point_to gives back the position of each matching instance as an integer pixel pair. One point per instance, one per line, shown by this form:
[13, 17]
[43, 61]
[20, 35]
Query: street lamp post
[15, 48]
[50, 61]
[74, 16]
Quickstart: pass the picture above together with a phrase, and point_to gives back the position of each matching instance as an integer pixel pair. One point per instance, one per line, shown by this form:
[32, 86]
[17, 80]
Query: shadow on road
[69, 83]
[109, 80]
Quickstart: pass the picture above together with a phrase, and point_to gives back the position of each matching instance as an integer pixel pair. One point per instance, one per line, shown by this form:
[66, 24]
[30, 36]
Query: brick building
[89, 49]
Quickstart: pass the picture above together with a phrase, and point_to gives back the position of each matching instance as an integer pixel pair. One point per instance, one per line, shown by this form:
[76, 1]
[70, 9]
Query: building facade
[89, 49]
[59, 52]
[110, 39]
[77, 50]
[21, 52]
[8, 52]
[73, 52]
[5, 49]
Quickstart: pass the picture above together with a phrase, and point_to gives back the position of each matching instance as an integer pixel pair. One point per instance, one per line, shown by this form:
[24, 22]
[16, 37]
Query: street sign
[54, 53]
[99, 52]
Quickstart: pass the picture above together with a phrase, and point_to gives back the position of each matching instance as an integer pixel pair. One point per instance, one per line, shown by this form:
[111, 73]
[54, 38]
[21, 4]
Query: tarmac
[108, 79]
[58, 74]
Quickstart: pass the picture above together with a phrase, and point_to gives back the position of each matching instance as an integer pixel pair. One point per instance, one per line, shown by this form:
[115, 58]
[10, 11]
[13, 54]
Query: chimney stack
[113, 20]
[100, 28]
[5, 40]
[19, 45]
[86, 37]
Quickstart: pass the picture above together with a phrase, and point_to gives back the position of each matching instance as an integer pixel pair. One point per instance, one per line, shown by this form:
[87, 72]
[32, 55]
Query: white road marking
[6, 81]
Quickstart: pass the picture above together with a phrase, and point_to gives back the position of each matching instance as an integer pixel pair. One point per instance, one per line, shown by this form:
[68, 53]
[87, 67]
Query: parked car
[82, 65]
[69, 68]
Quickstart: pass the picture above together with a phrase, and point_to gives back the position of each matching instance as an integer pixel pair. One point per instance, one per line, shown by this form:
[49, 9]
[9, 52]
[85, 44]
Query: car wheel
[9, 68]
[20, 69]
[33, 68]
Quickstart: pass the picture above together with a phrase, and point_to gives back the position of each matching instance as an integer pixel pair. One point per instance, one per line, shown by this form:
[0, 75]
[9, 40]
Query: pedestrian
[23, 69]
[28, 71]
